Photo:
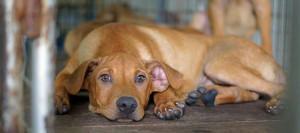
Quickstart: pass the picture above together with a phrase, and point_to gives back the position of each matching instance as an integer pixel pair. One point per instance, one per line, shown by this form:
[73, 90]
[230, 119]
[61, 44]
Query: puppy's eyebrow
[138, 70]
[105, 70]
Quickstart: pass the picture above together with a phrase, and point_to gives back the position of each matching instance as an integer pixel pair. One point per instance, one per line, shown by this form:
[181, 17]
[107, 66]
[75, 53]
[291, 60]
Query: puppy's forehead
[124, 60]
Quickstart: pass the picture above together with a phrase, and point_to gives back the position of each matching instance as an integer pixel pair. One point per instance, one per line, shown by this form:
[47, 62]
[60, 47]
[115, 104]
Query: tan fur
[232, 65]
[236, 17]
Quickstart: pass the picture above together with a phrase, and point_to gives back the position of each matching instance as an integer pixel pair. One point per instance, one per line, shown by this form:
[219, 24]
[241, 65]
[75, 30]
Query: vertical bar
[288, 36]
[161, 7]
[91, 10]
[12, 115]
[44, 70]
[2, 59]
[292, 111]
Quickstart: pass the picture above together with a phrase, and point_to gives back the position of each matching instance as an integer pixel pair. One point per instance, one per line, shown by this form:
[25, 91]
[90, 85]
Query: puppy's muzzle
[126, 105]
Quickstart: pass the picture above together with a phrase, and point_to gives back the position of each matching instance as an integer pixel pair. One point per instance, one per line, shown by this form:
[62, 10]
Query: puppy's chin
[124, 120]
[116, 115]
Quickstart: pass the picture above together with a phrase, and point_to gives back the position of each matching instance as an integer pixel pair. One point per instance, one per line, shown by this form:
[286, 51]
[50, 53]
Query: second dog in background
[236, 17]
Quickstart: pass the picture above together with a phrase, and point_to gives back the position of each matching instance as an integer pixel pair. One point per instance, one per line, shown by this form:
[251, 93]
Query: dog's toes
[177, 113]
[170, 110]
[192, 98]
[160, 115]
[181, 105]
[209, 98]
[62, 105]
[275, 107]
[206, 97]
[201, 90]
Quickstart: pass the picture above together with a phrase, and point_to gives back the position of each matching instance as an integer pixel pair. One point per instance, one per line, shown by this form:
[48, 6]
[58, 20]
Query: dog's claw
[207, 97]
[275, 107]
[170, 110]
[274, 110]
[159, 115]
[181, 105]
[177, 113]
[64, 110]
[62, 105]
[169, 115]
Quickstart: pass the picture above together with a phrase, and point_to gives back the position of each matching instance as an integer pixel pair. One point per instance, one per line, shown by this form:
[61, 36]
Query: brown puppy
[122, 64]
[237, 17]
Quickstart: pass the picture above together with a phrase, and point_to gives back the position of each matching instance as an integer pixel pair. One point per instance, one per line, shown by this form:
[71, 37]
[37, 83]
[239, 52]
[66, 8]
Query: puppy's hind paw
[209, 98]
[275, 106]
[202, 96]
[192, 98]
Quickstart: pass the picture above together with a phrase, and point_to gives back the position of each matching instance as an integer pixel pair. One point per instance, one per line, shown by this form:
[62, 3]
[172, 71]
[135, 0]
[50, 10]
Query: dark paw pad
[192, 98]
[201, 90]
[209, 98]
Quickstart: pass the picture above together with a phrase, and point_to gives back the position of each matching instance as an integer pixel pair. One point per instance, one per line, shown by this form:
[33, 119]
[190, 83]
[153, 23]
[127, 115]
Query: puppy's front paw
[205, 97]
[275, 106]
[169, 110]
[62, 104]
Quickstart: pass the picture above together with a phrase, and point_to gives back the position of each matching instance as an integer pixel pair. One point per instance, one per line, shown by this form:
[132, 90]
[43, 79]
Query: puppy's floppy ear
[75, 81]
[163, 75]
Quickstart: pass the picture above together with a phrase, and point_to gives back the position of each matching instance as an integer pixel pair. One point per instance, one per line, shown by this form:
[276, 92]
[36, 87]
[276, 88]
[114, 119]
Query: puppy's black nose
[126, 104]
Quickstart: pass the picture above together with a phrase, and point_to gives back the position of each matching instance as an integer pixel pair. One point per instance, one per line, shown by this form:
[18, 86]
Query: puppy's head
[120, 85]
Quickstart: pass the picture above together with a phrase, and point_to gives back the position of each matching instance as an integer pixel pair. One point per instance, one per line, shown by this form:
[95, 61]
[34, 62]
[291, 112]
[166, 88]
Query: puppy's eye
[105, 78]
[140, 79]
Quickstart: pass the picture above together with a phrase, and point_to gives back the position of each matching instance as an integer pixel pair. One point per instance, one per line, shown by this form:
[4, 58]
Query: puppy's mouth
[123, 117]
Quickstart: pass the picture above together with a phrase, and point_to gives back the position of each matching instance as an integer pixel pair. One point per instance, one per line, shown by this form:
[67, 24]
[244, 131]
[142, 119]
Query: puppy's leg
[222, 71]
[262, 10]
[215, 95]
[62, 102]
[216, 10]
[167, 105]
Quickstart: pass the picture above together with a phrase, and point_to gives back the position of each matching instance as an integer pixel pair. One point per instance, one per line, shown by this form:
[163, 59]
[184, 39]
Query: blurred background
[71, 13]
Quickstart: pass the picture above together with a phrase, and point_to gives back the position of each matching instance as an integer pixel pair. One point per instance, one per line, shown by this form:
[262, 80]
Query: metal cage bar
[43, 71]
[12, 108]
[21, 16]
